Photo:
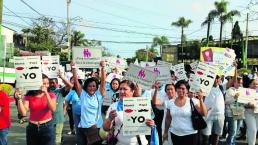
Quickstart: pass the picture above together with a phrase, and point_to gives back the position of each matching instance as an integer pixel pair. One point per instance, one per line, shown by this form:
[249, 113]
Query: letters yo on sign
[28, 72]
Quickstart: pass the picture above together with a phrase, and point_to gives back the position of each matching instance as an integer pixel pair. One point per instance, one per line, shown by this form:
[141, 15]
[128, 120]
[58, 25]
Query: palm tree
[209, 19]
[78, 39]
[223, 15]
[159, 41]
[182, 23]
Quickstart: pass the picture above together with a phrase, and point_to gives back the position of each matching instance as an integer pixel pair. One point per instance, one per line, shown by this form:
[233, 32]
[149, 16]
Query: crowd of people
[171, 104]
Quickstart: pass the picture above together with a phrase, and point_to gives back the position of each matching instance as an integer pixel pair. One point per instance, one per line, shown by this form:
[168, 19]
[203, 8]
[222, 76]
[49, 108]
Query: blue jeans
[3, 136]
[43, 134]
[76, 120]
[233, 126]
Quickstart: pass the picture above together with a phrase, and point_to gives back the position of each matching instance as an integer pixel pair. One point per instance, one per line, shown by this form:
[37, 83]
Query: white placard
[180, 72]
[204, 77]
[28, 72]
[247, 96]
[68, 67]
[86, 57]
[107, 100]
[111, 76]
[136, 111]
[163, 71]
[50, 66]
[194, 65]
[115, 62]
[141, 76]
[163, 63]
[147, 64]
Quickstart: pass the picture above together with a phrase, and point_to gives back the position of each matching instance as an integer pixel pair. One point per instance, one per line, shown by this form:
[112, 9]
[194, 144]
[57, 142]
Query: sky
[127, 21]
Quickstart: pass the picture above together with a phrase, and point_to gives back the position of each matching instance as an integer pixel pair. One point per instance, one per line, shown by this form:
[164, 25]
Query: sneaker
[69, 133]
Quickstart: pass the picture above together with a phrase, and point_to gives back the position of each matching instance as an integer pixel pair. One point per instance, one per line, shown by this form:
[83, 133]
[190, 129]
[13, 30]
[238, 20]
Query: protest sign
[147, 64]
[115, 62]
[107, 100]
[204, 77]
[50, 66]
[111, 76]
[141, 76]
[180, 72]
[86, 57]
[247, 96]
[194, 65]
[28, 72]
[163, 72]
[136, 111]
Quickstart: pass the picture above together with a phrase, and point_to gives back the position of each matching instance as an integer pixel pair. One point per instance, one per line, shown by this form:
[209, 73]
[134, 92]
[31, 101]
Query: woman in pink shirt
[41, 104]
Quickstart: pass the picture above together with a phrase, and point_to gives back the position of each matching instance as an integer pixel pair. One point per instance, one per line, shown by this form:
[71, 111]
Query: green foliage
[243, 71]
[182, 23]
[141, 55]
[236, 32]
[63, 56]
[7, 88]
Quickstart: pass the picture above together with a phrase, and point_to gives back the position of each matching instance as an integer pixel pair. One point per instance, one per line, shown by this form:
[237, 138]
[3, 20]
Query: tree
[78, 39]
[209, 19]
[159, 41]
[223, 15]
[182, 23]
[236, 32]
[143, 54]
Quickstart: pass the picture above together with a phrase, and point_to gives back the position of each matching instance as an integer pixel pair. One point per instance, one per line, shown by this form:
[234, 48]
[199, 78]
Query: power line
[16, 15]
[31, 7]
[103, 28]
[108, 13]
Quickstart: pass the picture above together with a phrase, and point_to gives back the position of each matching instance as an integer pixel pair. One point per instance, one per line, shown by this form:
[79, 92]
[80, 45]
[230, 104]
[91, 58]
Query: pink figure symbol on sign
[117, 61]
[156, 70]
[147, 65]
[141, 73]
[247, 93]
[86, 53]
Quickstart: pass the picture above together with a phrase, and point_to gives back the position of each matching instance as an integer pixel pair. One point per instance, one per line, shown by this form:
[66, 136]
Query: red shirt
[38, 107]
[5, 119]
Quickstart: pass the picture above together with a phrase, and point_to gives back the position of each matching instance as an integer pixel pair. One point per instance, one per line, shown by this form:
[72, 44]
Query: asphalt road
[17, 132]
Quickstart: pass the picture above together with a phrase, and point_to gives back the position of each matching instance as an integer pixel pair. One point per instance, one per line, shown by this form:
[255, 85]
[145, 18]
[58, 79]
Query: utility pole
[246, 43]
[1, 45]
[68, 30]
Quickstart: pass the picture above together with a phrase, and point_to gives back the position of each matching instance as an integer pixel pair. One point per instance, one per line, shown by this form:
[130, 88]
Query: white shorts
[214, 125]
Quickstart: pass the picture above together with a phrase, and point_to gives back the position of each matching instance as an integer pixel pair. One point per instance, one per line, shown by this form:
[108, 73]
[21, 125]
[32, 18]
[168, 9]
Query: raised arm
[103, 78]
[23, 107]
[68, 85]
[77, 85]
[155, 100]
[51, 101]
[201, 108]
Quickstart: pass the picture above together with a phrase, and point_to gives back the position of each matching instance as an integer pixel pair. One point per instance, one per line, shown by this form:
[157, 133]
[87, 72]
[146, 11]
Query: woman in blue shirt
[91, 98]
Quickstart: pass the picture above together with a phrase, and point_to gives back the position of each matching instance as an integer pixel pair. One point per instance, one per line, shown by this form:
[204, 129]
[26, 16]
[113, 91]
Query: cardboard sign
[28, 72]
[204, 77]
[247, 96]
[163, 72]
[147, 64]
[107, 100]
[111, 76]
[115, 62]
[180, 72]
[86, 57]
[50, 66]
[194, 65]
[141, 76]
[136, 111]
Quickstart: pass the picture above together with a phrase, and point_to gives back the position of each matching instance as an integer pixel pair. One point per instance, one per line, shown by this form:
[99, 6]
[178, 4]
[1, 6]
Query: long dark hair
[37, 92]
[129, 83]
[167, 85]
[182, 82]
[115, 79]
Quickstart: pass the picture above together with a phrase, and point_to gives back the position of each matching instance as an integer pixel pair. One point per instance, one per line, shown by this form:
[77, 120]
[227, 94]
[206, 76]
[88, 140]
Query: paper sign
[68, 67]
[50, 66]
[136, 111]
[247, 96]
[180, 72]
[194, 65]
[28, 72]
[111, 76]
[86, 57]
[147, 64]
[204, 78]
[107, 100]
[115, 62]
[163, 71]
[141, 76]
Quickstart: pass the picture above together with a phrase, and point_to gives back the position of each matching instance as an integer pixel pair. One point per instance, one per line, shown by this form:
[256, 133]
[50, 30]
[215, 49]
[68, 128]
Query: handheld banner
[28, 72]
[136, 111]
[50, 66]
[86, 57]
[163, 72]
[180, 72]
[141, 76]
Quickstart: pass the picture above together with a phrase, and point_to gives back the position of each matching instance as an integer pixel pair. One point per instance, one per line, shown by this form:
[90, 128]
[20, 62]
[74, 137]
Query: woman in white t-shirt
[115, 114]
[178, 116]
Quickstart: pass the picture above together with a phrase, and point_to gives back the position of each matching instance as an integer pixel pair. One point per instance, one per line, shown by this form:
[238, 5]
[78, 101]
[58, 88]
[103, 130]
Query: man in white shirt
[215, 119]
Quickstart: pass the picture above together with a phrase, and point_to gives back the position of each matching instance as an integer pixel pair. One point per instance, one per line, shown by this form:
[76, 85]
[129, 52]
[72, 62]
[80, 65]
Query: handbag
[197, 119]
[111, 138]
[238, 111]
